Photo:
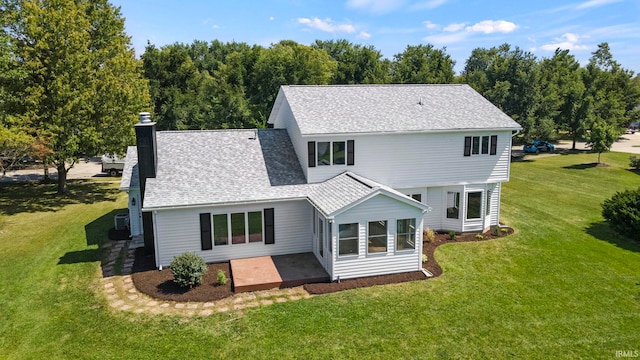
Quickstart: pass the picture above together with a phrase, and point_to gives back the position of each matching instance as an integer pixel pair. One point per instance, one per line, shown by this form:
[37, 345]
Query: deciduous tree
[82, 85]
[422, 64]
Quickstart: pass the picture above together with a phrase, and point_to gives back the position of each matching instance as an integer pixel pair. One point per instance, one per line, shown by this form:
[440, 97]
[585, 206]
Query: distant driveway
[629, 143]
[84, 169]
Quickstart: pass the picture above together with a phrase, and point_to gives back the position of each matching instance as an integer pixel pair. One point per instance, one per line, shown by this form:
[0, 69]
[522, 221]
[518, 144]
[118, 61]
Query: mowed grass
[563, 286]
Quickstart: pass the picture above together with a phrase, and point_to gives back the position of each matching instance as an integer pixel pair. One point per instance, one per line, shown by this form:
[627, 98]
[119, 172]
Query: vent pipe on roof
[145, 118]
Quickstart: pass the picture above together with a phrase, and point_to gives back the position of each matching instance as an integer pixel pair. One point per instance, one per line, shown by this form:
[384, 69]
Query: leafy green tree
[357, 64]
[14, 146]
[562, 92]
[288, 63]
[82, 85]
[509, 79]
[601, 136]
[422, 64]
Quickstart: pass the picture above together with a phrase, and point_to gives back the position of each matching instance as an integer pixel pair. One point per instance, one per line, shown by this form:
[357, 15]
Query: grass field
[563, 286]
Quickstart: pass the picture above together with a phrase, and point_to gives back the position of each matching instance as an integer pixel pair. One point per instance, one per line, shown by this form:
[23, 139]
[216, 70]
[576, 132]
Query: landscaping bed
[159, 284]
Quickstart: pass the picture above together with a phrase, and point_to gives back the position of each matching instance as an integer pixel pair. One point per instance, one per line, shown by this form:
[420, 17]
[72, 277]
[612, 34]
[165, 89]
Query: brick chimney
[147, 164]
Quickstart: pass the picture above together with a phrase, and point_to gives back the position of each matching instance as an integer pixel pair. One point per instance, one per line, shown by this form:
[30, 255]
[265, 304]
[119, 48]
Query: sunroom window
[377, 239]
[406, 234]
[348, 239]
[474, 205]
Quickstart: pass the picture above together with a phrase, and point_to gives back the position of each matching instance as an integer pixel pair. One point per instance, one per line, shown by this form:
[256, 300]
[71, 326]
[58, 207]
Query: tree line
[70, 84]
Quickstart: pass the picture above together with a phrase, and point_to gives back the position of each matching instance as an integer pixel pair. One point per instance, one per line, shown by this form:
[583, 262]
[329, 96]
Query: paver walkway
[122, 294]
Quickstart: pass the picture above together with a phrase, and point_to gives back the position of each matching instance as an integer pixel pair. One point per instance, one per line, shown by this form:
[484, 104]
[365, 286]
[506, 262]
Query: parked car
[112, 164]
[537, 146]
[631, 131]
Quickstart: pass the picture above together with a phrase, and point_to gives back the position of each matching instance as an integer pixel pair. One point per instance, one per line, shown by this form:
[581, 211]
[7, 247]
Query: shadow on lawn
[31, 196]
[580, 166]
[602, 231]
[96, 233]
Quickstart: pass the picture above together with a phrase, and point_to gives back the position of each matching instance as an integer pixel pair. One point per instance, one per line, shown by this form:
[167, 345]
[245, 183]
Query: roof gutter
[399, 132]
[225, 203]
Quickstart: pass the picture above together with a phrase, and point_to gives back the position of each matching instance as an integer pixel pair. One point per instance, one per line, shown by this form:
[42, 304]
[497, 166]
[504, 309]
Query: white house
[350, 173]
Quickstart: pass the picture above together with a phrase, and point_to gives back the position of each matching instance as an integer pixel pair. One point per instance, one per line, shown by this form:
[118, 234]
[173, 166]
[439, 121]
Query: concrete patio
[281, 271]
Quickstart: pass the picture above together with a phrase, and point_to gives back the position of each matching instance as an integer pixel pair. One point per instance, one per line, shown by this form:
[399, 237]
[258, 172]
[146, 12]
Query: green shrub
[222, 278]
[424, 258]
[479, 237]
[622, 211]
[496, 230]
[428, 235]
[634, 162]
[188, 269]
[504, 230]
[452, 235]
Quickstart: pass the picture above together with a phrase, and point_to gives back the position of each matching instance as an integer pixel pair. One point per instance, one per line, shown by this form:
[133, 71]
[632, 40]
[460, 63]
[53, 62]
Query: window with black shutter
[494, 144]
[205, 231]
[269, 227]
[467, 146]
[350, 152]
[311, 150]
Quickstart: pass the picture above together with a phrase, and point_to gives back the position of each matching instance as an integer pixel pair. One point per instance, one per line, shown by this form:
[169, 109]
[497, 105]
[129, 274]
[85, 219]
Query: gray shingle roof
[224, 166]
[130, 179]
[236, 166]
[390, 108]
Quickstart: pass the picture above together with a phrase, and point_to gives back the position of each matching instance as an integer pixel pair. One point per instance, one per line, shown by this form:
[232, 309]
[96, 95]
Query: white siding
[178, 231]
[378, 208]
[135, 214]
[433, 218]
[418, 160]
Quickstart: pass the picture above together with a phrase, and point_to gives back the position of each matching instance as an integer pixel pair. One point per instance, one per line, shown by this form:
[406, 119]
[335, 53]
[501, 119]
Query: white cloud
[429, 25]
[376, 6]
[447, 39]
[214, 26]
[327, 25]
[595, 3]
[431, 4]
[271, 18]
[363, 35]
[493, 26]
[454, 27]
[567, 41]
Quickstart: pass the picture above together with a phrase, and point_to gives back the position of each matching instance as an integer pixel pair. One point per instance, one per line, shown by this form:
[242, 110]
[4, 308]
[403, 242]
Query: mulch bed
[160, 284]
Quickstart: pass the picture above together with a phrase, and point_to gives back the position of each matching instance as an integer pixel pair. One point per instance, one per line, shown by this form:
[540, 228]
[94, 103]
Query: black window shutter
[205, 231]
[467, 146]
[269, 227]
[351, 152]
[311, 150]
[494, 144]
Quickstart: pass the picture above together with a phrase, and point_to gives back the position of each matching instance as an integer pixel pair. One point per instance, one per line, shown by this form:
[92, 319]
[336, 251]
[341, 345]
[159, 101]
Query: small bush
[188, 269]
[424, 258]
[428, 235]
[479, 237]
[622, 211]
[634, 162]
[452, 235]
[496, 230]
[504, 230]
[222, 278]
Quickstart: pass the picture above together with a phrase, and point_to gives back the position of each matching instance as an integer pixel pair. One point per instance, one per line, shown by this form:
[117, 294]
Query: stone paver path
[122, 294]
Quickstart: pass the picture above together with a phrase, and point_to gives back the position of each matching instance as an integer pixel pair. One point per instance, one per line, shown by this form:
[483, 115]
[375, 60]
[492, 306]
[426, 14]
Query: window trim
[333, 153]
[386, 238]
[412, 235]
[356, 238]
[466, 215]
[474, 145]
[456, 205]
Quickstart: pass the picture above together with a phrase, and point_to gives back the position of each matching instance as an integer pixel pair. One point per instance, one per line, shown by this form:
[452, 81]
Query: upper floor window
[324, 153]
[480, 145]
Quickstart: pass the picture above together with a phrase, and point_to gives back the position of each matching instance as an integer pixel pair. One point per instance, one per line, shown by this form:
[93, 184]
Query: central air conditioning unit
[121, 221]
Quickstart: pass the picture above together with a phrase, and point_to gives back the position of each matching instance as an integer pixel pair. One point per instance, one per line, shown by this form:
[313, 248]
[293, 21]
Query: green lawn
[562, 287]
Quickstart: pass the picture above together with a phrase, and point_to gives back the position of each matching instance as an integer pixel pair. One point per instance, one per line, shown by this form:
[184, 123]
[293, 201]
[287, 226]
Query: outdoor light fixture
[133, 202]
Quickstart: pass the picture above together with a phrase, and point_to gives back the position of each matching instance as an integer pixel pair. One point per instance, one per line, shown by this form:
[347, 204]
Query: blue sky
[390, 25]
